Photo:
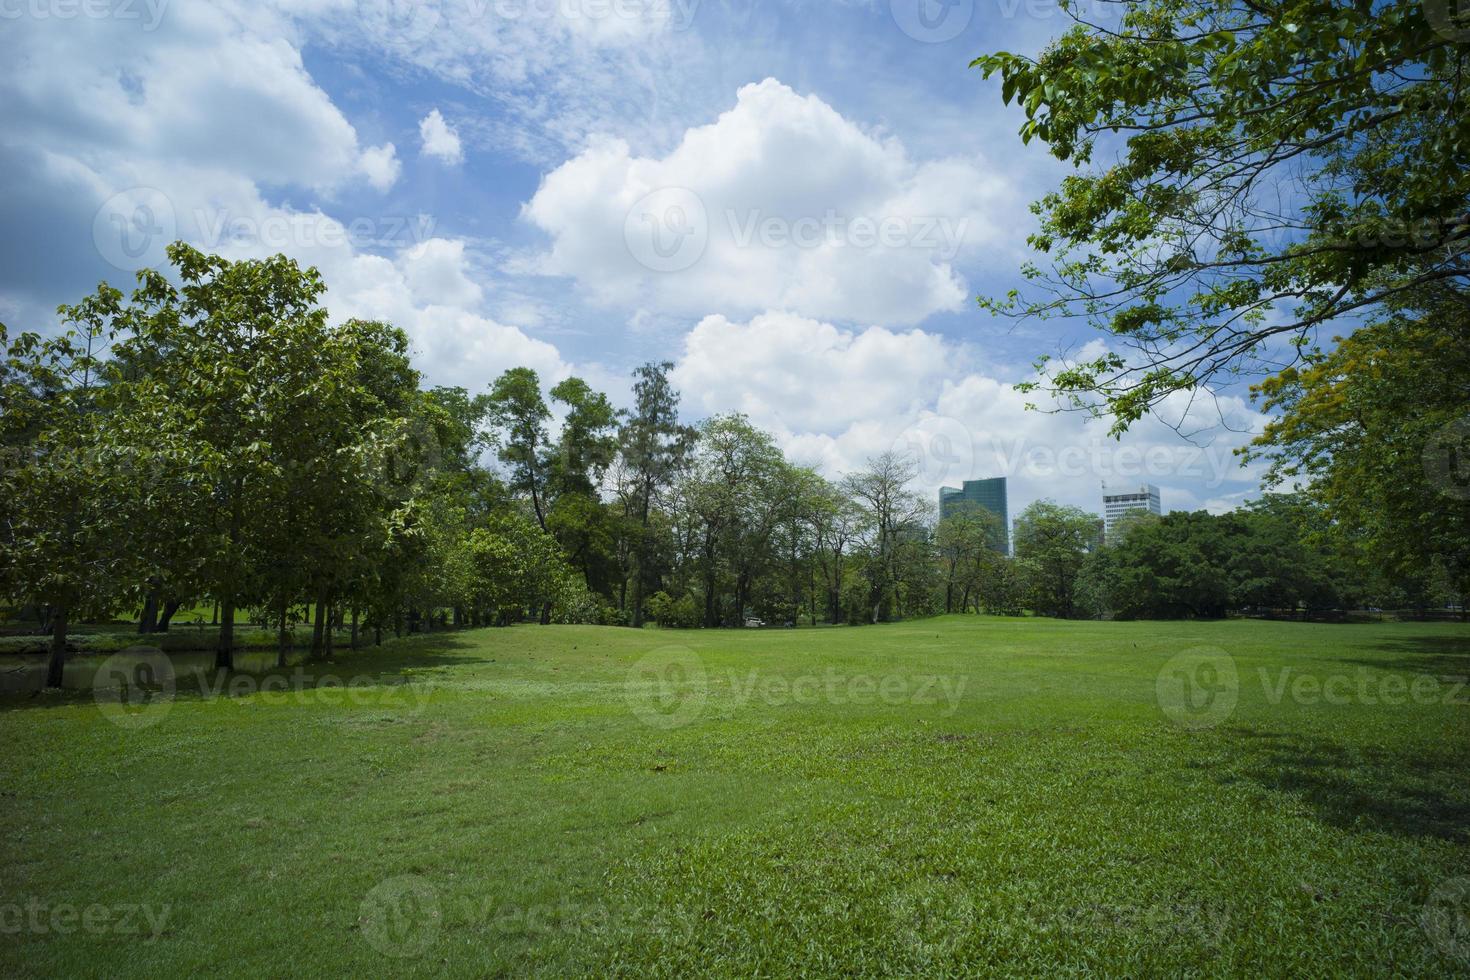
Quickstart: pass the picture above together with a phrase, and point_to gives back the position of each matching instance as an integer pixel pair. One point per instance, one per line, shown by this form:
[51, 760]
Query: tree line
[215, 437]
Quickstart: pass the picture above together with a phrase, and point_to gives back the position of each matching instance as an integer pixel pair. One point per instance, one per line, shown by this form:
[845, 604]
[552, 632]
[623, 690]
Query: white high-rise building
[1119, 501]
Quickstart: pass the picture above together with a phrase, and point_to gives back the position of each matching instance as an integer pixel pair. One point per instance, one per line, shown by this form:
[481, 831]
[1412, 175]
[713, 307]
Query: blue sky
[796, 202]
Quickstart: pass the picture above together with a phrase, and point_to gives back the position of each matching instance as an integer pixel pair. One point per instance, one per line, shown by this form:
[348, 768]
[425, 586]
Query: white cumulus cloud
[440, 139]
[780, 203]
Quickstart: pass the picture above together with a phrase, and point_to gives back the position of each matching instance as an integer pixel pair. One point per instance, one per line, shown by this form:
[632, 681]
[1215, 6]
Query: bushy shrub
[670, 613]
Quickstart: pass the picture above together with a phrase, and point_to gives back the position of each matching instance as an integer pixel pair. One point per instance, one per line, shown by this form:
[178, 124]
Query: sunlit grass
[950, 796]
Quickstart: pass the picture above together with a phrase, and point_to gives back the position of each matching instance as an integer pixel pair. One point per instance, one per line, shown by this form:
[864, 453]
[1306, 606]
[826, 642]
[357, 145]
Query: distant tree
[890, 510]
[654, 447]
[1052, 541]
[734, 490]
[962, 540]
[519, 415]
[1001, 585]
[1096, 590]
[836, 522]
[583, 453]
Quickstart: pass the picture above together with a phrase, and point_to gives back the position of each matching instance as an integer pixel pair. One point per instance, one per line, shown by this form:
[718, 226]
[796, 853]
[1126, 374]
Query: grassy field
[954, 796]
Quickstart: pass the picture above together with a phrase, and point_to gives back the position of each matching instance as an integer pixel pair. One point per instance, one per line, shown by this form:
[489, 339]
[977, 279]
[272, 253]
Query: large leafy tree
[262, 406]
[1052, 541]
[519, 415]
[965, 541]
[1274, 165]
[584, 451]
[1377, 431]
[654, 447]
[891, 510]
[735, 491]
[64, 542]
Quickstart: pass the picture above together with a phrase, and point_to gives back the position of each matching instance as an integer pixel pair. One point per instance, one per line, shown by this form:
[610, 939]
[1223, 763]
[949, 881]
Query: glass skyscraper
[988, 494]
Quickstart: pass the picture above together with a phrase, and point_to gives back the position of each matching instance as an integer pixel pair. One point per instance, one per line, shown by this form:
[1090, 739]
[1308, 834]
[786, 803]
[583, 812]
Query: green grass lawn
[945, 797]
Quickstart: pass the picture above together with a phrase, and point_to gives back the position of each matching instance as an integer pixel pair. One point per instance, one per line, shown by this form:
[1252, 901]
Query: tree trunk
[56, 664]
[318, 625]
[354, 627]
[283, 641]
[148, 619]
[546, 614]
[329, 645]
[166, 616]
[224, 654]
[637, 599]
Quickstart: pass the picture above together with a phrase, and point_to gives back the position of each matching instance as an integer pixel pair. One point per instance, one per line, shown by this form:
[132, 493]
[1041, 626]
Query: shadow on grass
[1359, 788]
[1442, 655]
[396, 663]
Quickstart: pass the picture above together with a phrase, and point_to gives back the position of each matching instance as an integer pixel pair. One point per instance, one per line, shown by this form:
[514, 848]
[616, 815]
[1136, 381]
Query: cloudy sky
[796, 201]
